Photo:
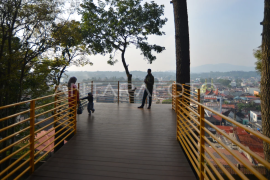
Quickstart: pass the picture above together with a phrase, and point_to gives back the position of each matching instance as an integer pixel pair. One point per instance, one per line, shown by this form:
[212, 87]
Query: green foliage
[202, 80]
[25, 34]
[25, 30]
[258, 55]
[238, 82]
[167, 101]
[241, 106]
[224, 82]
[113, 25]
[226, 102]
[68, 48]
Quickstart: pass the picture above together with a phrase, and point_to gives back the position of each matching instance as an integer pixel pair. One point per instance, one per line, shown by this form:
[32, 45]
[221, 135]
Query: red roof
[216, 92]
[210, 97]
[240, 131]
[227, 129]
[217, 117]
[228, 106]
[252, 97]
[254, 143]
[211, 92]
[229, 156]
[207, 92]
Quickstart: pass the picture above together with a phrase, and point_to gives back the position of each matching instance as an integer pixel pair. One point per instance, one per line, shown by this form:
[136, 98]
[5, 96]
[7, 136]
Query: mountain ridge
[221, 67]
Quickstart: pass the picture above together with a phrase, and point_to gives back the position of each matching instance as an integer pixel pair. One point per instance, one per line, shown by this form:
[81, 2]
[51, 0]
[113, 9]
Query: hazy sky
[221, 31]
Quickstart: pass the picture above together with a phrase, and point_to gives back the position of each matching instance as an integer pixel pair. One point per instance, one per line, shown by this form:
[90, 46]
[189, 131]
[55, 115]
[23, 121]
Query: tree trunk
[265, 80]
[182, 46]
[181, 41]
[129, 76]
[130, 91]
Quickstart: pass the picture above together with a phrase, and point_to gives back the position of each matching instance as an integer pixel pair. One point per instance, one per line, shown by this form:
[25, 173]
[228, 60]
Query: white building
[243, 84]
[251, 90]
[255, 116]
[233, 84]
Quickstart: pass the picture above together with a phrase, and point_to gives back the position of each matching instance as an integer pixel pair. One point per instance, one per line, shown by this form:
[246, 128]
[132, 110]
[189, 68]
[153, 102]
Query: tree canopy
[25, 33]
[68, 48]
[113, 25]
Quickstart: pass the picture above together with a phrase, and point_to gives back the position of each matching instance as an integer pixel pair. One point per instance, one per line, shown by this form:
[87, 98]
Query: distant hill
[140, 75]
[223, 67]
[110, 75]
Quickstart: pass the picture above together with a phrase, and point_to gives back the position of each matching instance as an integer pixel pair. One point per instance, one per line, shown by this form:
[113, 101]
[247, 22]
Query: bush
[167, 101]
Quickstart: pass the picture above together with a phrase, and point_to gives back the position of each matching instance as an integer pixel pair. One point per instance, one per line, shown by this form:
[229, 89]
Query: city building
[255, 116]
[233, 84]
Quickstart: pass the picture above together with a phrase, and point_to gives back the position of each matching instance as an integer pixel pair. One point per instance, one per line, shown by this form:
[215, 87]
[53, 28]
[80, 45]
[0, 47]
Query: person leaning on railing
[149, 81]
[72, 88]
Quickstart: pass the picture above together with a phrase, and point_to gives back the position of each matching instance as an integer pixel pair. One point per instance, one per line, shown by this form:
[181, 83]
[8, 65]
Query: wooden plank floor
[121, 142]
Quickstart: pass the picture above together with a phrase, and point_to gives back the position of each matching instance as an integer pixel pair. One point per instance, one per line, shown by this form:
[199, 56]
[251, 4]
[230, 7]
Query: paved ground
[121, 142]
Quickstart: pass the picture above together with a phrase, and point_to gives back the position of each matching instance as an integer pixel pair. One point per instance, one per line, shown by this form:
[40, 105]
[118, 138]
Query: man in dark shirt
[90, 106]
[149, 81]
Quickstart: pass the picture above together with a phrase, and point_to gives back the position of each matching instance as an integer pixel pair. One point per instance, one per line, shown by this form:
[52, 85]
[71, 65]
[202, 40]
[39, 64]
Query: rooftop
[228, 155]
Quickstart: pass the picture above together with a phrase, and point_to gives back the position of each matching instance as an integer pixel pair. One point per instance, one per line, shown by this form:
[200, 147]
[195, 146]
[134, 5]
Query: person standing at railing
[71, 93]
[90, 106]
[71, 98]
[149, 82]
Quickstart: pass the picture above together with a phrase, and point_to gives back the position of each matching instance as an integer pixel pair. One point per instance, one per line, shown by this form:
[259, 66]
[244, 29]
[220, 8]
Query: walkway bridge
[120, 141]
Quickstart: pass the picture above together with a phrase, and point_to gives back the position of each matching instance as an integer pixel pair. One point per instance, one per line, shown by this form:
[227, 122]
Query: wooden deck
[121, 142]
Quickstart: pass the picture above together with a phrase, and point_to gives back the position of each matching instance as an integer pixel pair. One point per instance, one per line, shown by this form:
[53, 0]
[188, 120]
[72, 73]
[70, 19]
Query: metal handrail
[28, 142]
[191, 121]
[190, 132]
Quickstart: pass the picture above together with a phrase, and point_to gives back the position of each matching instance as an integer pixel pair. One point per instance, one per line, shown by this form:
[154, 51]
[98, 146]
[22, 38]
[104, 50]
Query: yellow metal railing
[203, 154]
[174, 95]
[118, 90]
[26, 142]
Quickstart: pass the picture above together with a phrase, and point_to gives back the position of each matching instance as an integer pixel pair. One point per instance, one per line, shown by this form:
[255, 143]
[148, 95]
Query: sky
[221, 31]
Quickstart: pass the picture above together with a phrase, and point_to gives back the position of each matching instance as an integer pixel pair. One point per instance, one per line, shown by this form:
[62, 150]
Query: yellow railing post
[118, 92]
[55, 105]
[32, 136]
[199, 101]
[177, 112]
[199, 96]
[202, 133]
[75, 112]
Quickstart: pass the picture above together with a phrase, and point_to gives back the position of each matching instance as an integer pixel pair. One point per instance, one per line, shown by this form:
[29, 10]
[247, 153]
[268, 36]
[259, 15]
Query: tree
[114, 25]
[258, 55]
[25, 34]
[181, 41]
[25, 28]
[68, 48]
[265, 80]
[224, 82]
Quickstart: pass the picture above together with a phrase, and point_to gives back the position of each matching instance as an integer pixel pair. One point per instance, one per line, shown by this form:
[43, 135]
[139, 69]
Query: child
[90, 106]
